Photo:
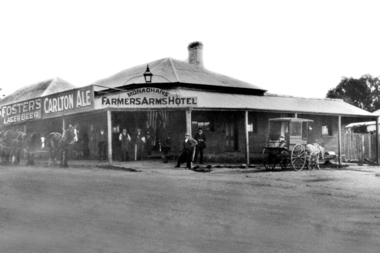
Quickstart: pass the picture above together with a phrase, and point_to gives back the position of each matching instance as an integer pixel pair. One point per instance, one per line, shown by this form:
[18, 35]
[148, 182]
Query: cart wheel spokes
[298, 157]
[269, 159]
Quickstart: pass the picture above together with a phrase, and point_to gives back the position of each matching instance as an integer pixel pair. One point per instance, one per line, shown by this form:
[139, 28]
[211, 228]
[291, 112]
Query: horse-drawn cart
[287, 144]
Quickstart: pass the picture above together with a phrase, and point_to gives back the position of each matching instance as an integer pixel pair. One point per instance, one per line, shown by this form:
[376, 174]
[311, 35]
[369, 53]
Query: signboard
[21, 112]
[68, 102]
[145, 98]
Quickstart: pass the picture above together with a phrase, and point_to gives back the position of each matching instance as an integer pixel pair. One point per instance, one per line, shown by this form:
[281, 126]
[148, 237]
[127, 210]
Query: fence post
[363, 148]
[369, 147]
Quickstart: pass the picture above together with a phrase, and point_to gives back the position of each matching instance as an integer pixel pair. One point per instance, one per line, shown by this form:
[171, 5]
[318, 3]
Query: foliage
[359, 129]
[363, 92]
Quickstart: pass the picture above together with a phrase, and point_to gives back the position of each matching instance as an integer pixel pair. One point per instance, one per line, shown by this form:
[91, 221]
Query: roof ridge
[174, 70]
[51, 81]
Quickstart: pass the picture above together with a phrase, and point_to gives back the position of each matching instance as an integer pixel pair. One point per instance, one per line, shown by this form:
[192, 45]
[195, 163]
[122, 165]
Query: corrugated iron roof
[273, 103]
[367, 123]
[39, 89]
[291, 119]
[168, 70]
[377, 112]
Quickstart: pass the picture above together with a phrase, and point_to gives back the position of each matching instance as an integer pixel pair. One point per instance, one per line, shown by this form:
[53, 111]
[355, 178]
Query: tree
[363, 92]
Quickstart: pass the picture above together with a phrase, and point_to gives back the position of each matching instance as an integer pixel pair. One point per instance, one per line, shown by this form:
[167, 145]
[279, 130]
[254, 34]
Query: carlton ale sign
[69, 102]
[145, 98]
[20, 112]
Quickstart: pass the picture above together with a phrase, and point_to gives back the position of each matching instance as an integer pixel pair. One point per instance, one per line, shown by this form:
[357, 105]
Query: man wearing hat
[187, 152]
[200, 137]
[125, 141]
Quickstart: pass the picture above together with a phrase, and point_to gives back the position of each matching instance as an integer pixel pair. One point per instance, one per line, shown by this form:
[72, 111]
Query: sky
[297, 48]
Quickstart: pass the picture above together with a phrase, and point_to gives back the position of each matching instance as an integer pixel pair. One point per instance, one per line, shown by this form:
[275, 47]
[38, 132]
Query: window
[305, 130]
[327, 129]
[278, 129]
[252, 125]
[296, 128]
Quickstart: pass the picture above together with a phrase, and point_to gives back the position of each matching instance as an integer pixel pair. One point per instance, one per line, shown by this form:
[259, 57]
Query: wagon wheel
[284, 159]
[298, 157]
[269, 159]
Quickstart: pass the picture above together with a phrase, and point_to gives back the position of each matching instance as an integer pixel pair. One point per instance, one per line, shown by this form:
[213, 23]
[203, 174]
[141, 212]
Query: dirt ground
[155, 208]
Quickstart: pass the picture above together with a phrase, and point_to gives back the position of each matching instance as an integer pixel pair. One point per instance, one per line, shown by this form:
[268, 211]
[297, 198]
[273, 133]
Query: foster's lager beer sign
[21, 112]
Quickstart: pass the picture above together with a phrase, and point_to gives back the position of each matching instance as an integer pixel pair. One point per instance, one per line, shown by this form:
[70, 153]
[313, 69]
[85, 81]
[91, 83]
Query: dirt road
[168, 210]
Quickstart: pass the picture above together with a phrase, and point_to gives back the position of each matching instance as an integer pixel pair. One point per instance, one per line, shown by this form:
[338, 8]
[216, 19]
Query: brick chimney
[196, 53]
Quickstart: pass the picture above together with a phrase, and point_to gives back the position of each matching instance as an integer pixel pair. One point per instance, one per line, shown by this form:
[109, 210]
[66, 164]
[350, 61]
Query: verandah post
[63, 124]
[188, 129]
[188, 121]
[246, 138]
[109, 132]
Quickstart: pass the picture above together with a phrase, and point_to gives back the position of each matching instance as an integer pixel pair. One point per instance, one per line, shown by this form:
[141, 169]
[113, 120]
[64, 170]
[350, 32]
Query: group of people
[139, 144]
[199, 143]
[130, 146]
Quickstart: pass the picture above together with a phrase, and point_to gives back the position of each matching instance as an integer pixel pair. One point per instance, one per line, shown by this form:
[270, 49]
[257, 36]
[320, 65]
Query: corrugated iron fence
[358, 147]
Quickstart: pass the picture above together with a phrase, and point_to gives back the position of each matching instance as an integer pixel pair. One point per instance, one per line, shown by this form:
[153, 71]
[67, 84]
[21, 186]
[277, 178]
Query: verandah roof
[273, 103]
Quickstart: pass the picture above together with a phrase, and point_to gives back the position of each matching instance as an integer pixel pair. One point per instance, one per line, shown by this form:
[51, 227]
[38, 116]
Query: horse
[3, 149]
[12, 143]
[314, 153]
[61, 144]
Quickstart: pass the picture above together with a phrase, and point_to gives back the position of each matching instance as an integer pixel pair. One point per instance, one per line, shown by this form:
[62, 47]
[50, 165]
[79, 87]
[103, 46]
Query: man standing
[187, 152]
[102, 144]
[125, 140]
[149, 138]
[165, 142]
[139, 141]
[200, 137]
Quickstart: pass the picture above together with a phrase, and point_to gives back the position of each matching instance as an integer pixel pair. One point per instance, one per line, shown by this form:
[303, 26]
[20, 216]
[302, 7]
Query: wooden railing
[358, 147]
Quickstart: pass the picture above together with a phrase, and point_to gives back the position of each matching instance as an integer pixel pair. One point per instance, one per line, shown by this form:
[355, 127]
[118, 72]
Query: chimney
[196, 53]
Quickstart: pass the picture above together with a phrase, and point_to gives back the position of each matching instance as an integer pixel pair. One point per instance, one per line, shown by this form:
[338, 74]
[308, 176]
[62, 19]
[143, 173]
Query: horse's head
[34, 140]
[70, 135]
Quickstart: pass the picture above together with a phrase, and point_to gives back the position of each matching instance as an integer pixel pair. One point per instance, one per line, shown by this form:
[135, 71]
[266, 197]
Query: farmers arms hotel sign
[145, 98]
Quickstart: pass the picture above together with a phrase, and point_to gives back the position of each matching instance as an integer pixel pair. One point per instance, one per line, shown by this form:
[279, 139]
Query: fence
[358, 147]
